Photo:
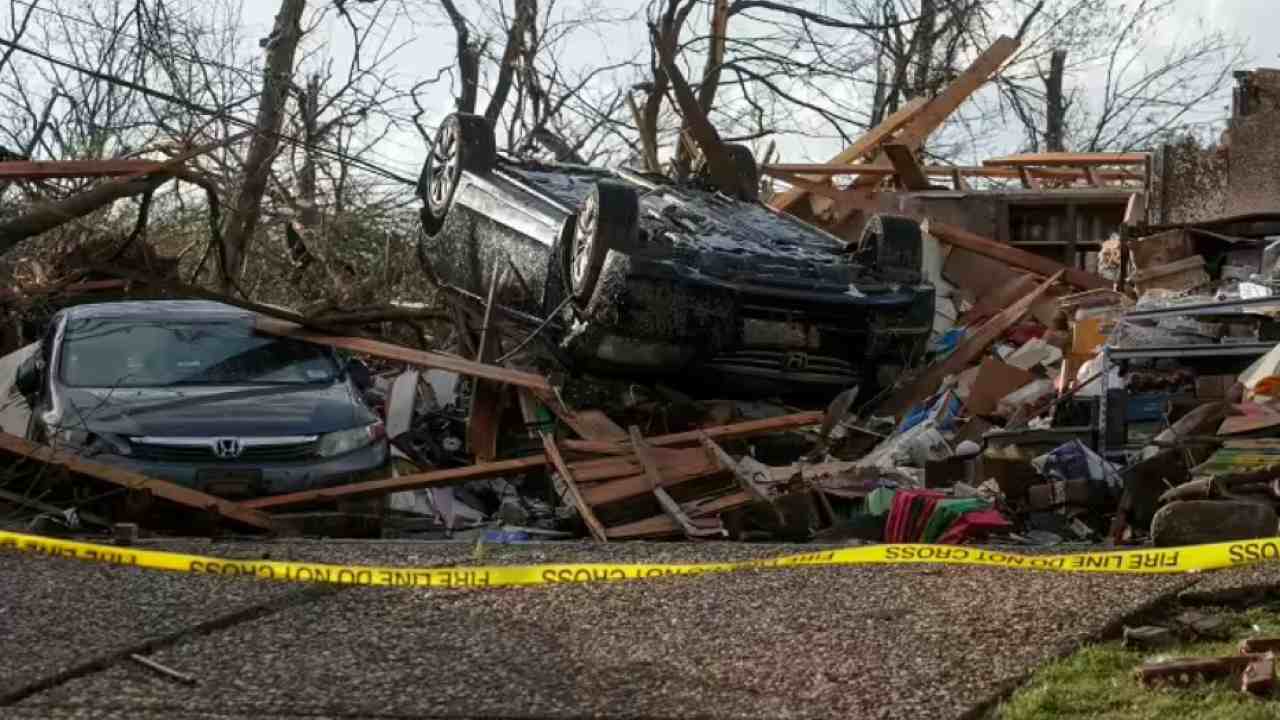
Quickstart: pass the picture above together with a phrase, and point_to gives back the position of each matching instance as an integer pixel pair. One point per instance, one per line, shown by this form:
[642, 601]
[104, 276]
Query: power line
[195, 107]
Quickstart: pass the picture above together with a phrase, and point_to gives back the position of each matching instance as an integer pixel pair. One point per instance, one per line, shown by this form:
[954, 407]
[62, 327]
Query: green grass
[1099, 682]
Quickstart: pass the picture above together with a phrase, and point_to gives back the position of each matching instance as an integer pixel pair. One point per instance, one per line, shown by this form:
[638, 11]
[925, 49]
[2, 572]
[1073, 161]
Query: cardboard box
[1214, 387]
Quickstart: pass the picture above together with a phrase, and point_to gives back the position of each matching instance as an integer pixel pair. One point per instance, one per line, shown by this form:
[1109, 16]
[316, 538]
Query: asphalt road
[909, 641]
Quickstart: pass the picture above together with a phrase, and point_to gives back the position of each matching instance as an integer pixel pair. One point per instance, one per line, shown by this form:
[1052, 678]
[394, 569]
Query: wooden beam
[1016, 257]
[54, 169]
[1028, 181]
[952, 96]
[969, 350]
[663, 525]
[958, 181]
[906, 167]
[1071, 159]
[571, 485]
[656, 482]
[486, 400]
[399, 353]
[121, 477]
[503, 468]
[719, 432]
[866, 143]
[816, 173]
[697, 465]
[1091, 176]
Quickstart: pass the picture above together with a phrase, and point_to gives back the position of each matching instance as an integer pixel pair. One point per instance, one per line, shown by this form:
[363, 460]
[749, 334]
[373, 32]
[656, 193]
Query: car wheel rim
[444, 165]
[584, 238]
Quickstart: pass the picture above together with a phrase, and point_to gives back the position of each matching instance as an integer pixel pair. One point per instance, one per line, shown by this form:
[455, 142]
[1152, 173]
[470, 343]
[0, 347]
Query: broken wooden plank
[486, 400]
[663, 525]
[638, 484]
[571, 485]
[124, 478]
[389, 351]
[745, 481]
[656, 482]
[952, 96]
[1070, 159]
[969, 350]
[906, 167]
[816, 172]
[502, 468]
[719, 432]
[416, 481]
[1015, 257]
[1091, 176]
[866, 143]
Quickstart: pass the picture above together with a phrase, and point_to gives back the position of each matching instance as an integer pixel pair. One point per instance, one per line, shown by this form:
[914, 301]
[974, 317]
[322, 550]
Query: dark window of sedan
[99, 352]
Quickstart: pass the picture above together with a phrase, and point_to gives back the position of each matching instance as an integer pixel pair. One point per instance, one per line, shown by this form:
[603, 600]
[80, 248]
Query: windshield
[114, 352]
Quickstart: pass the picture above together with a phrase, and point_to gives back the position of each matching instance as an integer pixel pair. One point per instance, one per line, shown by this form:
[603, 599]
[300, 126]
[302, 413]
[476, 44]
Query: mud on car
[679, 278]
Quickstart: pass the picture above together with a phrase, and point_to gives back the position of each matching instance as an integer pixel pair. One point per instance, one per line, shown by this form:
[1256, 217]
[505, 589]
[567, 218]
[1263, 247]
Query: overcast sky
[430, 45]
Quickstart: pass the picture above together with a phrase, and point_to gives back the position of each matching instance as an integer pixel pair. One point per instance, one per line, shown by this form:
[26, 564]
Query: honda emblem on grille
[228, 448]
[797, 361]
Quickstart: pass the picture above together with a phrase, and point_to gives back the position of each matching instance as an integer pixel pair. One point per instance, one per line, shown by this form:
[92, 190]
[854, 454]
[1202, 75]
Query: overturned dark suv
[679, 278]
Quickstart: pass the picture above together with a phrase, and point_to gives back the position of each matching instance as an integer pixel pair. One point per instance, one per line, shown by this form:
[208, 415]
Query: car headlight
[345, 441]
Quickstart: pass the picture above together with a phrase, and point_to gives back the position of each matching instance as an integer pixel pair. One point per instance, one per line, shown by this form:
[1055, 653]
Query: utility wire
[195, 107]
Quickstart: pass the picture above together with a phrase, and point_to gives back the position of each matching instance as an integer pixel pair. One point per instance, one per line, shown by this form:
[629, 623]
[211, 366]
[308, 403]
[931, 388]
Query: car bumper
[238, 480]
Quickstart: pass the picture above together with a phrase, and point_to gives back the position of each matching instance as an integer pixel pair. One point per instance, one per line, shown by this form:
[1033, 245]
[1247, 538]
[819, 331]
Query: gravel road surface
[894, 641]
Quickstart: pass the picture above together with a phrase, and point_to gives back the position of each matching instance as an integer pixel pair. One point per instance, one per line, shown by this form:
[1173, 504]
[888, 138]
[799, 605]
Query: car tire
[748, 172]
[462, 142]
[894, 245]
[608, 219]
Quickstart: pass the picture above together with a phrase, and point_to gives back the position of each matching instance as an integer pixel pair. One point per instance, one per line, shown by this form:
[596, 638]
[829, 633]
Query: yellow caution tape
[1163, 561]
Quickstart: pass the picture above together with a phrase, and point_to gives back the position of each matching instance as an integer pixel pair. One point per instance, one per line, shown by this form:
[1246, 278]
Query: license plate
[218, 481]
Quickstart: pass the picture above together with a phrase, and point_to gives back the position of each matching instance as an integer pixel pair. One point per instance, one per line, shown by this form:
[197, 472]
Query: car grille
[204, 453]
[797, 367]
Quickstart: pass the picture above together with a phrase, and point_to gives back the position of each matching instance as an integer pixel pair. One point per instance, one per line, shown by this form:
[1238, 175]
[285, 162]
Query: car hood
[209, 411]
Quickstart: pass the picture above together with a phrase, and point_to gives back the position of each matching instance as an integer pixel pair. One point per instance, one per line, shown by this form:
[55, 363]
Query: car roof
[157, 309]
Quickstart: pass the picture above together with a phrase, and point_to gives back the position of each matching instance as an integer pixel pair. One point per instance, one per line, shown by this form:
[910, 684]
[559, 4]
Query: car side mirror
[28, 378]
[360, 374]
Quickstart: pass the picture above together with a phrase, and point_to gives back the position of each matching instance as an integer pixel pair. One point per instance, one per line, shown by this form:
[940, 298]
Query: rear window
[113, 352]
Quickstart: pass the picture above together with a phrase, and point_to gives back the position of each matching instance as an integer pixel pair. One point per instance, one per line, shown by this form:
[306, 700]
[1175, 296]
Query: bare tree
[1088, 79]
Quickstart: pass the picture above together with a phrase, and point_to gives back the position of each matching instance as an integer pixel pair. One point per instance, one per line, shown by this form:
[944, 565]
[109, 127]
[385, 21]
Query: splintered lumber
[121, 477]
[1070, 159]
[719, 432]
[389, 351]
[866, 143]
[502, 468]
[786, 171]
[529, 411]
[906, 166]
[665, 501]
[1014, 257]
[952, 96]
[969, 350]
[416, 481]
[566, 476]
[663, 525]
[673, 469]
